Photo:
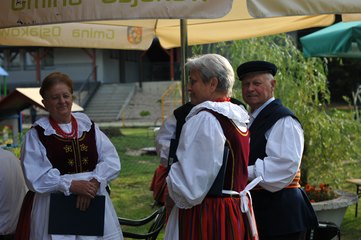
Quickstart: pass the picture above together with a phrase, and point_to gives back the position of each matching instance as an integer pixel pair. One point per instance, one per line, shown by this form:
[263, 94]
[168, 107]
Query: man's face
[257, 89]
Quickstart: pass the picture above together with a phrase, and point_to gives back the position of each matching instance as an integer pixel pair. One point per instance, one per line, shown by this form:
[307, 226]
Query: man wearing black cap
[282, 210]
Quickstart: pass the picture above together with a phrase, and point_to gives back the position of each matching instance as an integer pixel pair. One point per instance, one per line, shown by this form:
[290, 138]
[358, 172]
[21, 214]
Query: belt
[246, 204]
[294, 184]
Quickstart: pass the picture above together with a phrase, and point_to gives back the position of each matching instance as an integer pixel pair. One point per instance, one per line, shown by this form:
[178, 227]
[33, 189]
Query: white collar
[258, 110]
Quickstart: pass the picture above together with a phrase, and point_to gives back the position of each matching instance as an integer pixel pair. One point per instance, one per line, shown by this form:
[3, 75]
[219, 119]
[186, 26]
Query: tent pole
[184, 51]
[171, 63]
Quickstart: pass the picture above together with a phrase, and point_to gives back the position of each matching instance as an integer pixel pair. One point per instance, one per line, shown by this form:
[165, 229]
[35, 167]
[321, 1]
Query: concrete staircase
[109, 100]
[127, 104]
[145, 106]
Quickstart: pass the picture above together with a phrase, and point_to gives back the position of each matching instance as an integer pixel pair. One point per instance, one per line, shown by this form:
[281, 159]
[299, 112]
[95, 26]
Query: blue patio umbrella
[3, 72]
[342, 39]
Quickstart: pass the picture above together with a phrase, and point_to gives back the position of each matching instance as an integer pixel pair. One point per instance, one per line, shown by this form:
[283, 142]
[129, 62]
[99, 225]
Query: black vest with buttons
[261, 124]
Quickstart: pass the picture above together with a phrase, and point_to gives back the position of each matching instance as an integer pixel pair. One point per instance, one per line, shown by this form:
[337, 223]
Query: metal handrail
[85, 86]
[175, 92]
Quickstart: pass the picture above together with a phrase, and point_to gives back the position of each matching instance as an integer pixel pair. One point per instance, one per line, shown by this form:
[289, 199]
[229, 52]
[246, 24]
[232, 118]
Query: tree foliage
[331, 136]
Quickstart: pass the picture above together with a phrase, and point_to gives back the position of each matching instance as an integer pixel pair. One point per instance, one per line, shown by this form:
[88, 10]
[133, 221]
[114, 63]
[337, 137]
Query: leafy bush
[144, 113]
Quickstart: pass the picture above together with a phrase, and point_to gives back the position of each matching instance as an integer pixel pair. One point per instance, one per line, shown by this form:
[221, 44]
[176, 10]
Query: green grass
[130, 191]
[351, 226]
[133, 199]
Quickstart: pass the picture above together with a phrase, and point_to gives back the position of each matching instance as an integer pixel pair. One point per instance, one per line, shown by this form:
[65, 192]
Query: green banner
[277, 8]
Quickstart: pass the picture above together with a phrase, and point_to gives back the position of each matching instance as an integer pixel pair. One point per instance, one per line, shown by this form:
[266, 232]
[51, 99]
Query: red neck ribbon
[225, 99]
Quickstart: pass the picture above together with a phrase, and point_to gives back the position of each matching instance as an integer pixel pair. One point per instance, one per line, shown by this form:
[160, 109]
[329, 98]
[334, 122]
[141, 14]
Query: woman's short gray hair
[213, 65]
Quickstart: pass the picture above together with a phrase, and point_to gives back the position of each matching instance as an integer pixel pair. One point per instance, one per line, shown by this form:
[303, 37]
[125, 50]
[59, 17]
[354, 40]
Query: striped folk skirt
[215, 218]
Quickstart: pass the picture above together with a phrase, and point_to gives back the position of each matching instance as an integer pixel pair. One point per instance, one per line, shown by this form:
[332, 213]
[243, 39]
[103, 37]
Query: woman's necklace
[224, 99]
[74, 128]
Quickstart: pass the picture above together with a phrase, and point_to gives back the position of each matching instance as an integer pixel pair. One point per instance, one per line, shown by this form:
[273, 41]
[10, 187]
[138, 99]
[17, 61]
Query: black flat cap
[256, 66]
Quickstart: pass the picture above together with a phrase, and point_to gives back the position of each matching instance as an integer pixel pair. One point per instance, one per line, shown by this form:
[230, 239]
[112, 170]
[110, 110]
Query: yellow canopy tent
[138, 34]
[34, 12]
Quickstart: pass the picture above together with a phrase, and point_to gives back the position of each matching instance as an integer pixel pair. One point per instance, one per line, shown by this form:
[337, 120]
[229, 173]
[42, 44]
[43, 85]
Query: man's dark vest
[262, 123]
[180, 115]
[71, 155]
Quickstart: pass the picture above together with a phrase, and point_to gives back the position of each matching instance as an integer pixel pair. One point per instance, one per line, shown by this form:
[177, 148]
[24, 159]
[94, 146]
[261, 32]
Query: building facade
[27, 66]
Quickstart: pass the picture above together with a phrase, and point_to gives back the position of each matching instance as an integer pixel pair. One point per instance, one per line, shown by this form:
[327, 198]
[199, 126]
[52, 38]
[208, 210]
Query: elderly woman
[67, 153]
[205, 183]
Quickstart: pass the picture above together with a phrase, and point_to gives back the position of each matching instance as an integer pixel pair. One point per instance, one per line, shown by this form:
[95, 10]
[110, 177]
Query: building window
[25, 59]
[46, 58]
[29, 60]
[14, 58]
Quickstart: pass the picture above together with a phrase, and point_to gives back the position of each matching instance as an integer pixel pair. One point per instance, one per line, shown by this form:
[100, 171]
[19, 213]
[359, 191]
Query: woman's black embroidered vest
[71, 155]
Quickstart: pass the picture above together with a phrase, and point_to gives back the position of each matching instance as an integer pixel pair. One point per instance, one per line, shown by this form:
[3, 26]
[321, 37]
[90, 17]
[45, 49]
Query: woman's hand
[83, 202]
[95, 182]
[86, 191]
[86, 188]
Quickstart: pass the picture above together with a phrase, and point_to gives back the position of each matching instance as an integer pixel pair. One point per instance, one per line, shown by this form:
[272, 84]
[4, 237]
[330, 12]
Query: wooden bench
[357, 182]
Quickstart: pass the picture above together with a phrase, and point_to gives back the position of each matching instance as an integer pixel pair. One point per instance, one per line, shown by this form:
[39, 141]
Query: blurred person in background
[12, 192]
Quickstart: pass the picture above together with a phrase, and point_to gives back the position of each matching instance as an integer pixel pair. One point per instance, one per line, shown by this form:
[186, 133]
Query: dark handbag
[66, 219]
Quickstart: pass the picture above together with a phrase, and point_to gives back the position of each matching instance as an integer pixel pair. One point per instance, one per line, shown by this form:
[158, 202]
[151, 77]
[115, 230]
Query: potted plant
[321, 193]
[330, 205]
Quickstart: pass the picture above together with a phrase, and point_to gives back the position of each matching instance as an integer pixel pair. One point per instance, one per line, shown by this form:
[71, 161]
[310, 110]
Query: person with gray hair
[282, 209]
[210, 167]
